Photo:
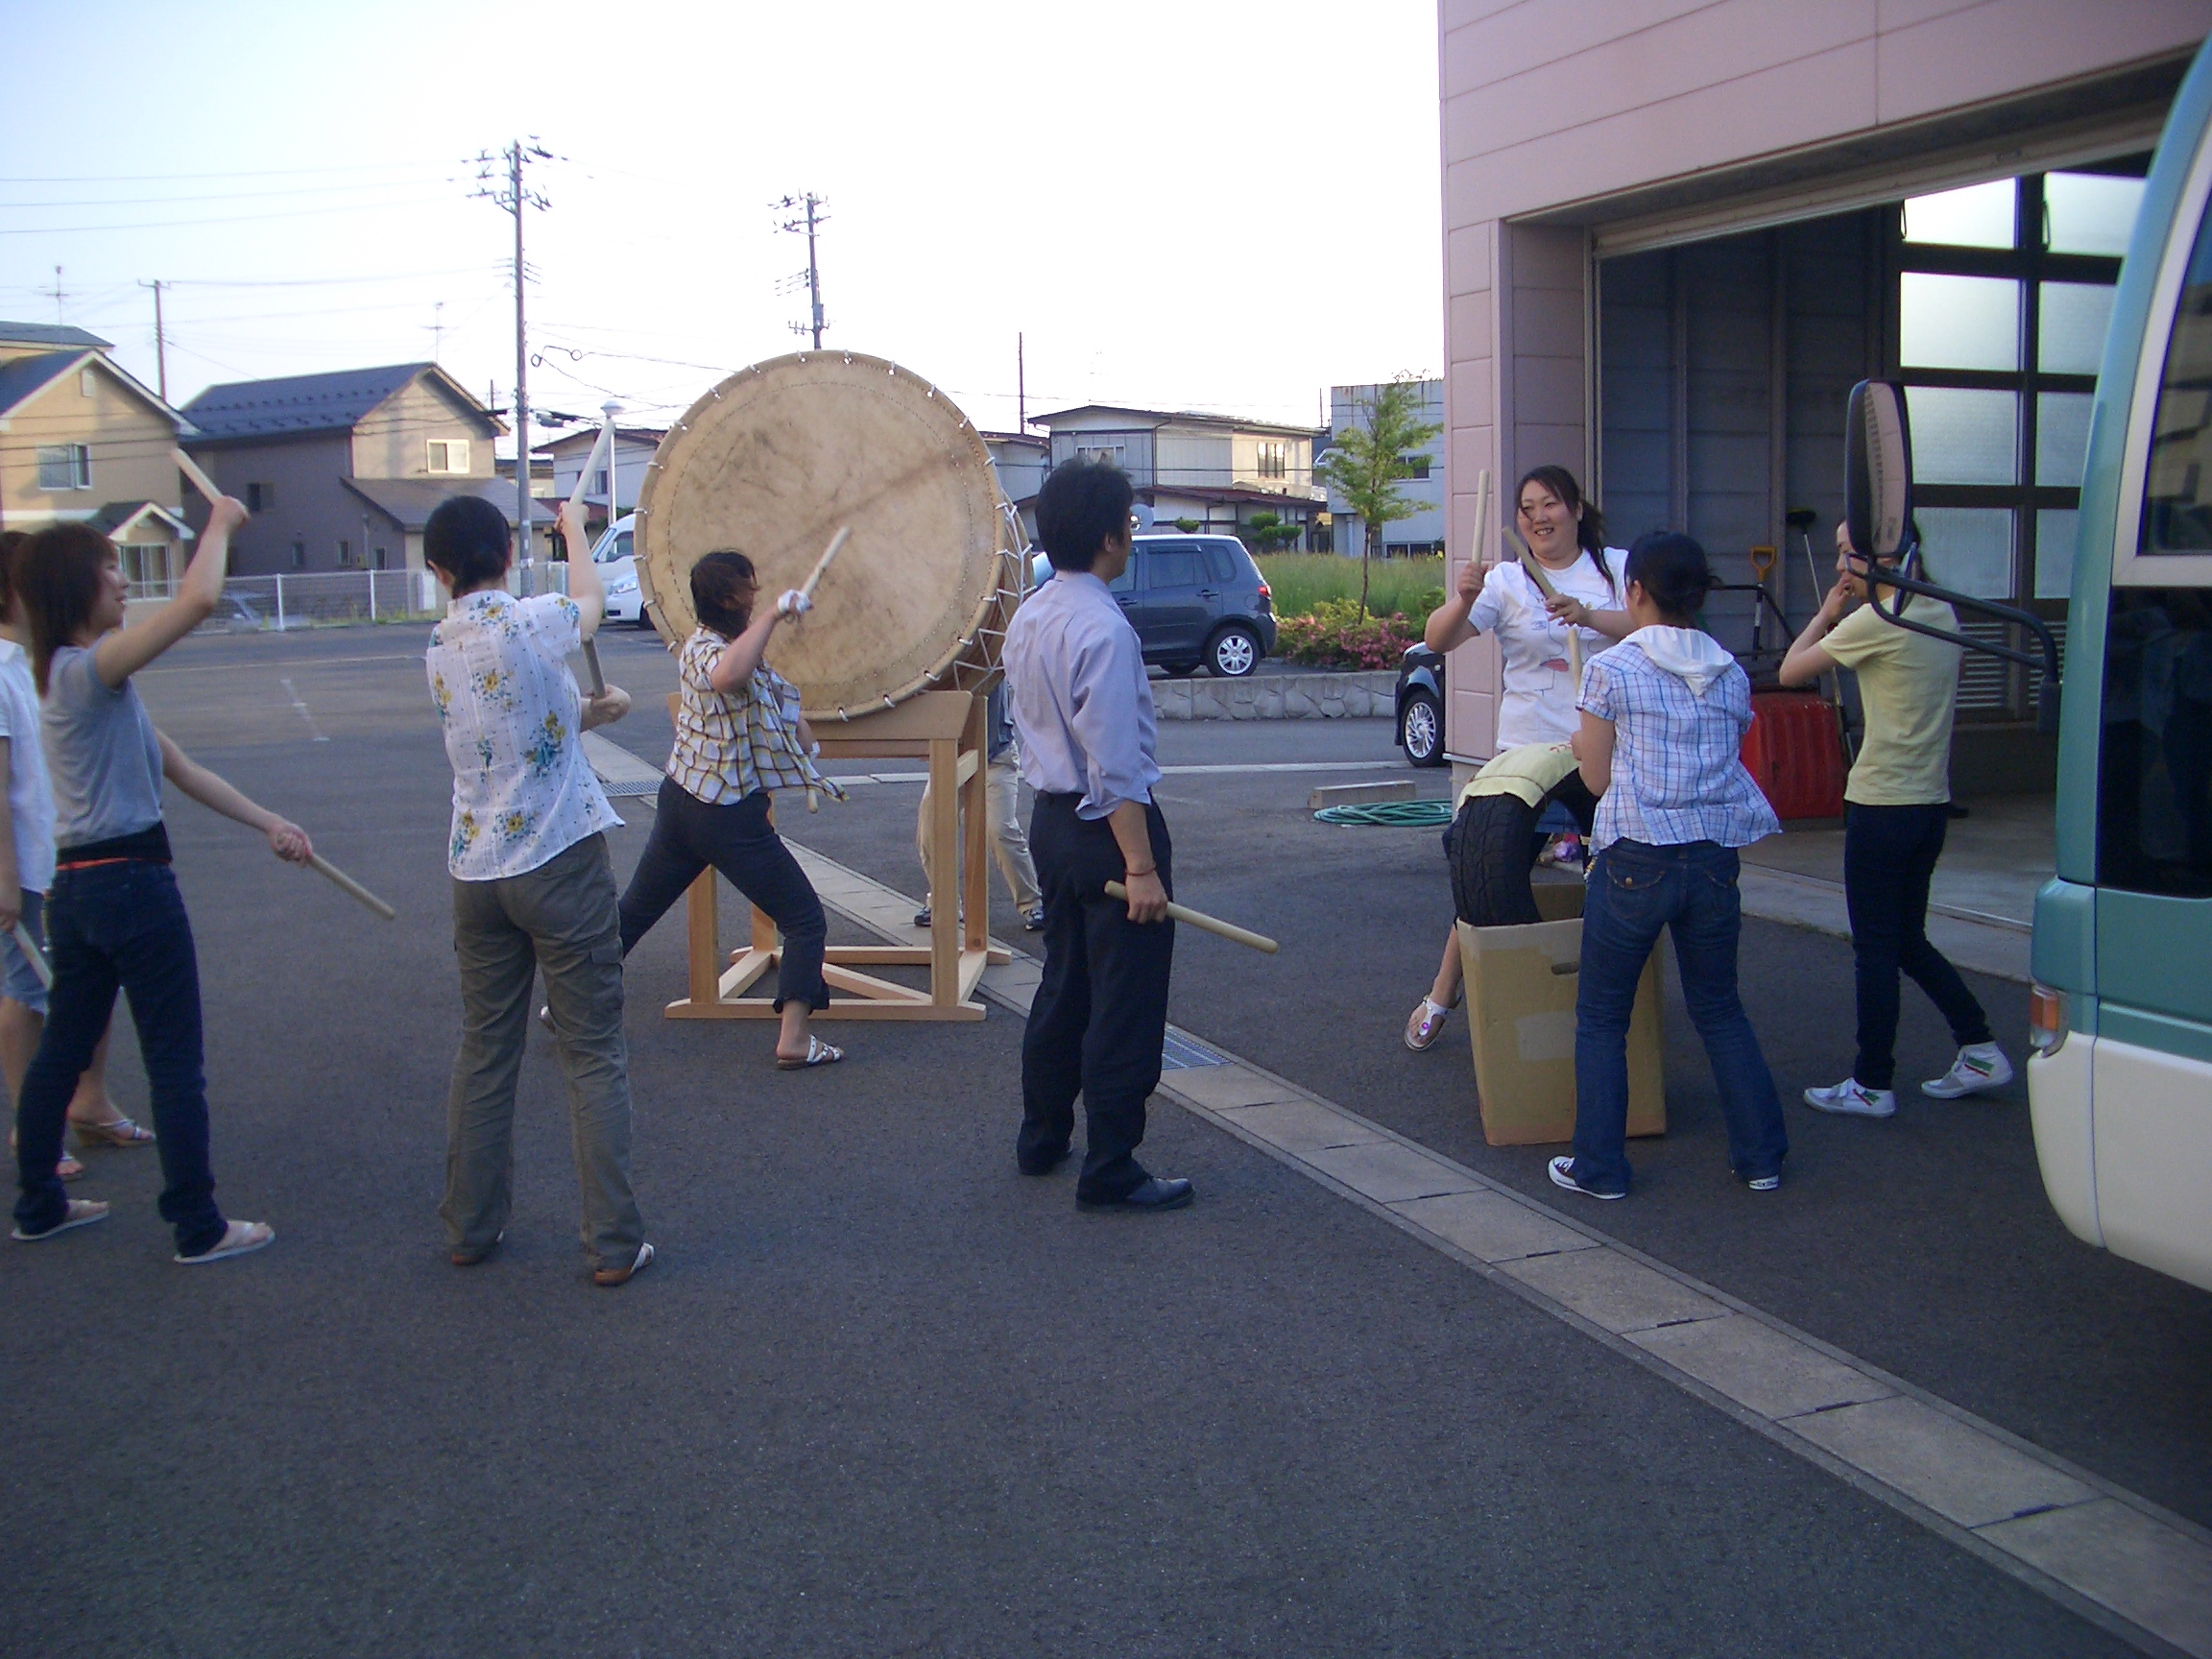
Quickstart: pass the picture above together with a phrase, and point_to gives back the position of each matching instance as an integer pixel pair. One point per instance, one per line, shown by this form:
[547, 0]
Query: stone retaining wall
[1278, 697]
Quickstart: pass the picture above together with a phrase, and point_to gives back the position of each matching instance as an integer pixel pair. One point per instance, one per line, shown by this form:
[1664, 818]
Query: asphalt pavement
[884, 1395]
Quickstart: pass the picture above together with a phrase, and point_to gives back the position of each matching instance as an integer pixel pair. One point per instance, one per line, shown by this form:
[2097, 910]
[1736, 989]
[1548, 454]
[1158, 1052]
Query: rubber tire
[1492, 852]
[1423, 700]
[1234, 630]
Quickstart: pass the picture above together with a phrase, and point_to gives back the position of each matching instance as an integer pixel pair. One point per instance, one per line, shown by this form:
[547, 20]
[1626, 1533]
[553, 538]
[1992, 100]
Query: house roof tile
[336, 401]
[409, 502]
[55, 334]
[26, 375]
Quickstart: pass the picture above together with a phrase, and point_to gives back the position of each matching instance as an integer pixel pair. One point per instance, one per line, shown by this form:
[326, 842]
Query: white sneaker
[1979, 1067]
[1853, 1100]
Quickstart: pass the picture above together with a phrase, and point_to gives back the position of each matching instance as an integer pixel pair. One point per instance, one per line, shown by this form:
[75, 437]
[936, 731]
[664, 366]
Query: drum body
[774, 461]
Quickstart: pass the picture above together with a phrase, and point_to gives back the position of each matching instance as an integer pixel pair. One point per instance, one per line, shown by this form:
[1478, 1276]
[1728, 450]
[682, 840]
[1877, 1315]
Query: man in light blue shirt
[1083, 710]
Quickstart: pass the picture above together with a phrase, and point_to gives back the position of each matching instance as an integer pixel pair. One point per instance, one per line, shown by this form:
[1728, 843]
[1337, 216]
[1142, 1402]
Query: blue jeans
[123, 926]
[1636, 890]
[1890, 857]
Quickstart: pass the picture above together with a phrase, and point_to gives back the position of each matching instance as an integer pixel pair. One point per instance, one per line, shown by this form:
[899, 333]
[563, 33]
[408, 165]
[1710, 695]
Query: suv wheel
[1421, 730]
[1234, 652]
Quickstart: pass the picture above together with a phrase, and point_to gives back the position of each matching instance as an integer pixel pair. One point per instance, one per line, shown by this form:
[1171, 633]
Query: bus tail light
[2046, 1019]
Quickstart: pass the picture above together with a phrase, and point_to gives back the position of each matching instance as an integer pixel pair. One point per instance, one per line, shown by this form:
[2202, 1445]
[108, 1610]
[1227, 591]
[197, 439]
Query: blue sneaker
[1563, 1175]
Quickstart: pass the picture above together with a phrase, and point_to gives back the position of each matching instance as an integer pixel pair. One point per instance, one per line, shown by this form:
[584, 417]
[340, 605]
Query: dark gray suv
[1195, 601]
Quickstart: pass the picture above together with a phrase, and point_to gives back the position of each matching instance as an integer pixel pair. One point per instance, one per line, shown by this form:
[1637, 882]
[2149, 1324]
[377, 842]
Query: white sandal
[1424, 1027]
[818, 1053]
[239, 1238]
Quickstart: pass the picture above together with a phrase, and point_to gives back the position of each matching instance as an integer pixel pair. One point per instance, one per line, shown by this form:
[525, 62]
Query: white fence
[325, 598]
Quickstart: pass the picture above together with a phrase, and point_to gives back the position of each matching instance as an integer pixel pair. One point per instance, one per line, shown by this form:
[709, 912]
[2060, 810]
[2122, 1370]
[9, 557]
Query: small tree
[1266, 532]
[1188, 526]
[1368, 460]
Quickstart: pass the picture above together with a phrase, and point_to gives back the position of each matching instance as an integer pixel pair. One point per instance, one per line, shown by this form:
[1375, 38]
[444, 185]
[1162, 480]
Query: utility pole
[161, 343]
[514, 198]
[810, 221]
[1020, 387]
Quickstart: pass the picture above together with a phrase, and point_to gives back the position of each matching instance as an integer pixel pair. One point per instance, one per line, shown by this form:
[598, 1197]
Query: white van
[616, 558]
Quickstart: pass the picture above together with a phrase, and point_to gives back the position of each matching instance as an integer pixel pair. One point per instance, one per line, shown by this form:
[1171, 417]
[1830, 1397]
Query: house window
[299, 555]
[260, 497]
[1103, 454]
[449, 455]
[65, 466]
[376, 559]
[1274, 460]
[345, 553]
[87, 385]
[599, 482]
[1416, 466]
[145, 570]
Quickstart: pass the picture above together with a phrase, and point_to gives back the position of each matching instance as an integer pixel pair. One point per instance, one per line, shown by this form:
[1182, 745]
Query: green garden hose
[1391, 814]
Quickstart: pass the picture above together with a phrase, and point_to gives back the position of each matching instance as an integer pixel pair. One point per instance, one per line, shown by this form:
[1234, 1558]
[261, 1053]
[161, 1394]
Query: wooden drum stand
[943, 727]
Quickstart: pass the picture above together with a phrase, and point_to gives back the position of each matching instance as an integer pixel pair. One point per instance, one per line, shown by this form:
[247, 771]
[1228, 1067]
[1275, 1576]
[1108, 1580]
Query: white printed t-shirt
[523, 793]
[1538, 705]
[29, 789]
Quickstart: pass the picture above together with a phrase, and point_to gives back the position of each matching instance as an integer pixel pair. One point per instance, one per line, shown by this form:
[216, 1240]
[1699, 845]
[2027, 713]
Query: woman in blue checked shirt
[1662, 717]
[738, 736]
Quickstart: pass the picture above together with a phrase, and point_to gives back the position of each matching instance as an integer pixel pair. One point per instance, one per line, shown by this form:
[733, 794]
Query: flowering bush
[1332, 636]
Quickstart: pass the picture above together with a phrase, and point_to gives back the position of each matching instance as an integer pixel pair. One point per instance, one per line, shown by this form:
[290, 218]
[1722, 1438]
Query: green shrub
[1301, 581]
[1332, 636]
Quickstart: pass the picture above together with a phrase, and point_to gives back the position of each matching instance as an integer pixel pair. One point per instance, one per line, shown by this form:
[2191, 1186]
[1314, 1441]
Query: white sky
[1189, 204]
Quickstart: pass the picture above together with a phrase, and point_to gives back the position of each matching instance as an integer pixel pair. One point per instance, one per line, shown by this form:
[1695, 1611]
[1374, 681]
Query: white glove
[793, 604]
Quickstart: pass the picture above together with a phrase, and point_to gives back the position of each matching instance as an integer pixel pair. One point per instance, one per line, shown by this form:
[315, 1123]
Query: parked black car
[1195, 601]
[1421, 706]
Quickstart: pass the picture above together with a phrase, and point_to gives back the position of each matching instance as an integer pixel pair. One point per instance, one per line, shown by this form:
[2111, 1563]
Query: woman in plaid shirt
[1663, 714]
[738, 736]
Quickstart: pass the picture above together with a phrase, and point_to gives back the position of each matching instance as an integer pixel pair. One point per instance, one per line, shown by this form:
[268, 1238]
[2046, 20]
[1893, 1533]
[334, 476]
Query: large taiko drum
[779, 457]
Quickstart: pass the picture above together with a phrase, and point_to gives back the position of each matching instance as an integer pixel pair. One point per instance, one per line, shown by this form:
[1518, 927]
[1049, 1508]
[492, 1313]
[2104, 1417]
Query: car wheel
[1421, 730]
[1234, 652]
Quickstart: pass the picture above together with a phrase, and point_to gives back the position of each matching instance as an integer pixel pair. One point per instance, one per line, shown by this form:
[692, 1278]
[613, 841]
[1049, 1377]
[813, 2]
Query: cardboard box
[1521, 986]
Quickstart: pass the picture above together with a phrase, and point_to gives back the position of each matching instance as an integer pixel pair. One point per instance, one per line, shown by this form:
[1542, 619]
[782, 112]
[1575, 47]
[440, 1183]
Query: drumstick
[592, 465]
[323, 867]
[591, 662]
[1204, 923]
[823, 563]
[200, 480]
[33, 955]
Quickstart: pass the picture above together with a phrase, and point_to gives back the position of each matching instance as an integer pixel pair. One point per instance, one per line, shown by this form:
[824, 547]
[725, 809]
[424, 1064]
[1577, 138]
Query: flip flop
[239, 1238]
[1424, 1027]
[818, 1053]
[117, 1132]
[82, 1212]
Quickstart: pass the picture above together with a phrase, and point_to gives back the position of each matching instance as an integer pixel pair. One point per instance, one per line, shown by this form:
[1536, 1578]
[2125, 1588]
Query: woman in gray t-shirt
[115, 918]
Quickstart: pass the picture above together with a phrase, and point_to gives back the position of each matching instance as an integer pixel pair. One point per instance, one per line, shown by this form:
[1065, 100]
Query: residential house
[341, 470]
[634, 447]
[81, 441]
[1021, 460]
[1423, 531]
[1669, 282]
[1210, 472]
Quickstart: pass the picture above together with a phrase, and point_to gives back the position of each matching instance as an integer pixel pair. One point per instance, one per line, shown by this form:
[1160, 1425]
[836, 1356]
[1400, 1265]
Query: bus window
[2178, 485]
[2154, 770]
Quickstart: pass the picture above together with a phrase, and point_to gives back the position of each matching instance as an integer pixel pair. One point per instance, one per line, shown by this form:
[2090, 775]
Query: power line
[248, 173]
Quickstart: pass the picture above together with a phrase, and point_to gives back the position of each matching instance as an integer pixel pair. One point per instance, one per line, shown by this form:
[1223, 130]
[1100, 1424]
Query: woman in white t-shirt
[1567, 536]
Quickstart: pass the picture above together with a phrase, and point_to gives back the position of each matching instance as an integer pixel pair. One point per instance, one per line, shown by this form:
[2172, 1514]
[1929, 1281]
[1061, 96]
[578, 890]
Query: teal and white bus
[2120, 1080]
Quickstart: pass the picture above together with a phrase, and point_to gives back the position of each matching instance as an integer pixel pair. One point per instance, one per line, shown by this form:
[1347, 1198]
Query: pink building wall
[1548, 103]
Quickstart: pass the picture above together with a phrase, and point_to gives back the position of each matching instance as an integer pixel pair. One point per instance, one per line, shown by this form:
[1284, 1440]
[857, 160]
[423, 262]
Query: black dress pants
[740, 841]
[1100, 1014]
[1890, 857]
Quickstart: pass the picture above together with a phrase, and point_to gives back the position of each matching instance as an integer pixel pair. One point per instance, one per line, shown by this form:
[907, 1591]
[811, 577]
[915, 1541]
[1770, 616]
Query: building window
[1274, 460]
[87, 385]
[1103, 454]
[65, 466]
[449, 455]
[376, 559]
[345, 553]
[145, 570]
[599, 482]
[260, 497]
[1416, 466]
[299, 555]
[2004, 293]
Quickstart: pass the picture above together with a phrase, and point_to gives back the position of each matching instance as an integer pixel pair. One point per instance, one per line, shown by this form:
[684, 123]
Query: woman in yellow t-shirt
[1897, 809]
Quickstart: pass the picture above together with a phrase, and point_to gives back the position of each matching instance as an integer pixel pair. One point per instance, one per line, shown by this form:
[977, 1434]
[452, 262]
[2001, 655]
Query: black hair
[1080, 507]
[1589, 523]
[12, 544]
[1674, 573]
[57, 572]
[469, 538]
[722, 587]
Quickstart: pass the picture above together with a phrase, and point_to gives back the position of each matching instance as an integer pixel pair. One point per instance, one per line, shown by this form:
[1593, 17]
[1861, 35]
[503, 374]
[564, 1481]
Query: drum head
[780, 456]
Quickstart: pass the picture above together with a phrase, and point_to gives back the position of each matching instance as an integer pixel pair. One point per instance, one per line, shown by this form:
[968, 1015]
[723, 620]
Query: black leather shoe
[1152, 1194]
[1044, 1165]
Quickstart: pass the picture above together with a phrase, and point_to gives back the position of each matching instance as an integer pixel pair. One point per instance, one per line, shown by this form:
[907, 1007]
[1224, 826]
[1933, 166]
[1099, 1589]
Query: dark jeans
[1101, 1013]
[114, 926]
[1636, 890]
[740, 842]
[1890, 855]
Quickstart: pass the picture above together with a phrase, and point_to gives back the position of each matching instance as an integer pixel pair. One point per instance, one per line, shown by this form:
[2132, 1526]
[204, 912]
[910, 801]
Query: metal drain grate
[1181, 1055]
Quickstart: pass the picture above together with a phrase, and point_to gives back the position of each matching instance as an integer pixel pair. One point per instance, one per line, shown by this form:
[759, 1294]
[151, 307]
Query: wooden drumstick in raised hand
[1204, 923]
[822, 563]
[200, 480]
